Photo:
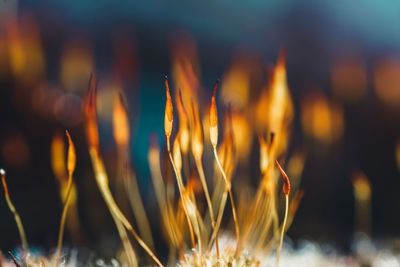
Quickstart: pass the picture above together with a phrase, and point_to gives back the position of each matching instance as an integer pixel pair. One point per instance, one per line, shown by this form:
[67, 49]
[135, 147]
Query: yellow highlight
[77, 64]
[120, 122]
[321, 119]
[58, 157]
[362, 187]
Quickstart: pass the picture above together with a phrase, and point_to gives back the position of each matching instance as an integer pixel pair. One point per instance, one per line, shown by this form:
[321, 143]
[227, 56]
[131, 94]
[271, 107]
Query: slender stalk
[207, 194]
[165, 206]
[219, 218]
[14, 212]
[282, 230]
[132, 190]
[274, 214]
[63, 219]
[286, 191]
[129, 251]
[181, 191]
[102, 181]
[228, 188]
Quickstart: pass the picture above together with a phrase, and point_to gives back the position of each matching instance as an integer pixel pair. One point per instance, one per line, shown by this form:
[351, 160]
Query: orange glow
[361, 186]
[235, 86]
[194, 184]
[349, 78]
[176, 151]
[77, 64]
[183, 124]
[243, 72]
[242, 134]
[15, 46]
[274, 110]
[296, 163]
[387, 81]
[197, 134]
[213, 119]
[281, 107]
[71, 159]
[58, 157]
[120, 122]
[263, 154]
[90, 114]
[226, 150]
[4, 66]
[261, 111]
[168, 119]
[185, 67]
[25, 49]
[321, 119]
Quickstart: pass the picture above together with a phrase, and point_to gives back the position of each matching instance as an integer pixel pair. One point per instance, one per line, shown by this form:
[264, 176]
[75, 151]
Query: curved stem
[207, 194]
[17, 219]
[219, 218]
[181, 188]
[228, 187]
[102, 182]
[282, 230]
[63, 218]
[133, 192]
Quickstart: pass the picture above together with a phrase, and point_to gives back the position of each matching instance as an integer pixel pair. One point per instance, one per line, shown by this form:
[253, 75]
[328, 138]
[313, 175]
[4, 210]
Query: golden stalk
[222, 207]
[122, 138]
[168, 121]
[183, 133]
[264, 163]
[362, 202]
[214, 141]
[59, 169]
[101, 175]
[71, 162]
[165, 207]
[14, 212]
[197, 150]
[102, 181]
[286, 191]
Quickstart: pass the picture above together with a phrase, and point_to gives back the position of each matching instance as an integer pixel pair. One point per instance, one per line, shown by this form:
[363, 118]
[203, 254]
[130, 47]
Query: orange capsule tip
[166, 83]
[213, 109]
[68, 136]
[215, 87]
[168, 120]
[286, 182]
[3, 179]
[71, 144]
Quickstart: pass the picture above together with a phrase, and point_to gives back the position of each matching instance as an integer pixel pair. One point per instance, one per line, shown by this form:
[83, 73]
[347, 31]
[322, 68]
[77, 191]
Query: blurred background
[343, 70]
